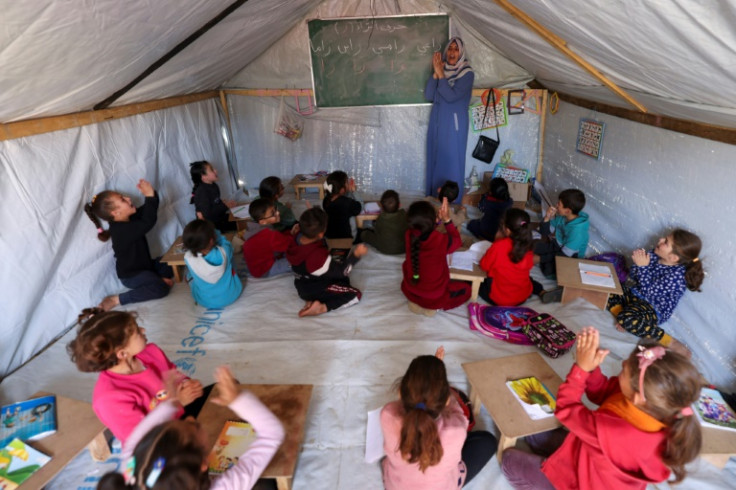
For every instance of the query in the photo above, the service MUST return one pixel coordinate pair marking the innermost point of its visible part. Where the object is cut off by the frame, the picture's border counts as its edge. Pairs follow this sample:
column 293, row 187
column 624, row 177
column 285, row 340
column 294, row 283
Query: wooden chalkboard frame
column 378, row 81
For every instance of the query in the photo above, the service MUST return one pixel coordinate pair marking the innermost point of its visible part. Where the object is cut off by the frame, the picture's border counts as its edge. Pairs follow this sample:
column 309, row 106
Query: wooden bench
column 77, row 427
column 289, row 403
column 300, row 185
column 175, row 258
column 488, row 387
column 476, row 277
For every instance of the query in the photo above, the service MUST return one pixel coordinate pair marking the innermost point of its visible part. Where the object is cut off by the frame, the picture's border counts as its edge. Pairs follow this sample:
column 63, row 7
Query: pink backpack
column 501, row 322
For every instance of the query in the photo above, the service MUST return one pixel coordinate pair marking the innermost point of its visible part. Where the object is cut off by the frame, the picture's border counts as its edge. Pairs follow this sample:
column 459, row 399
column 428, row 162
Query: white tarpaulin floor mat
column 351, row 356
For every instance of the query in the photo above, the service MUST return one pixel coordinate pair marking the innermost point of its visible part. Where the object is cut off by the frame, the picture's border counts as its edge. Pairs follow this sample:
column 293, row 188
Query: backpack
column 551, row 336
column 501, row 322
column 618, row 261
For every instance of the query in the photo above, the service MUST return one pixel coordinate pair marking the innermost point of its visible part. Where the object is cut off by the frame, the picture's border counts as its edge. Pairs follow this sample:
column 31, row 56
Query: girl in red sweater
column 642, row 430
column 509, row 261
column 427, row 283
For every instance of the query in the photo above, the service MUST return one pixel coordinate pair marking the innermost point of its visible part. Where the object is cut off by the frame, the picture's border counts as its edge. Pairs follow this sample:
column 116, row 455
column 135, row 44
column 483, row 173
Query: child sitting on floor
column 132, row 371
column 425, row 433
column 564, row 233
column 209, row 259
column 426, row 282
column 173, row 454
column 340, row 205
column 146, row 278
column 206, row 197
column 643, row 429
column 509, row 261
column 272, row 189
column 388, row 231
column 661, row 277
column 458, row 213
column 320, row 281
column 264, row 251
column 492, row 204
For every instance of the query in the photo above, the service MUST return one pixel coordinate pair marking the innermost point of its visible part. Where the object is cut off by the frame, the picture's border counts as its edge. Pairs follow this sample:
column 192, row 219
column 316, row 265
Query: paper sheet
column 372, row 208
column 373, row 437
column 596, row 275
column 241, row 212
column 465, row 259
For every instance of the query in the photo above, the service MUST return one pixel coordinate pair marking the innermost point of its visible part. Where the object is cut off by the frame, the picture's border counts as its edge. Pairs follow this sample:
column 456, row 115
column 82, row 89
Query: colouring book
column 28, row 420
column 18, row 461
column 232, row 442
column 713, row 411
column 537, row 400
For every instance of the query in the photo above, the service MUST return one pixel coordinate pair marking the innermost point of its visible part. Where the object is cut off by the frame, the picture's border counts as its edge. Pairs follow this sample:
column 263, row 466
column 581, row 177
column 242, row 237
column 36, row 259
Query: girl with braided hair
column 427, row 283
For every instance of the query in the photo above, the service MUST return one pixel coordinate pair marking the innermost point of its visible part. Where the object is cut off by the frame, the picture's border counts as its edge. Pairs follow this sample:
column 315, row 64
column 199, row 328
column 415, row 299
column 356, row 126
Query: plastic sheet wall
column 387, row 151
column 649, row 181
column 53, row 264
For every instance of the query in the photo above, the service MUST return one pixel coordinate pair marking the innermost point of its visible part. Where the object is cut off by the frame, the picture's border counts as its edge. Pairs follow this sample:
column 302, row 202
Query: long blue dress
column 447, row 136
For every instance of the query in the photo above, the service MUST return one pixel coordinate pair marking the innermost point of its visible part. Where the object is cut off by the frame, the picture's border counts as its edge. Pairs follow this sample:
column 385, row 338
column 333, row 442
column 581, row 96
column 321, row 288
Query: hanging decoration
column 515, row 102
column 590, row 138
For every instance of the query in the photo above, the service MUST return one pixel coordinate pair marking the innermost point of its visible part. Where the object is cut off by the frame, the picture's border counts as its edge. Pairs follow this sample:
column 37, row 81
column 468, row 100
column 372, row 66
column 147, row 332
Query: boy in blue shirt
column 564, row 233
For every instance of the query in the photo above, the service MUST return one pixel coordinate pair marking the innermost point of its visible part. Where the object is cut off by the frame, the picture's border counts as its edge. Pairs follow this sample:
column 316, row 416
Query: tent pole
column 561, row 44
column 542, row 129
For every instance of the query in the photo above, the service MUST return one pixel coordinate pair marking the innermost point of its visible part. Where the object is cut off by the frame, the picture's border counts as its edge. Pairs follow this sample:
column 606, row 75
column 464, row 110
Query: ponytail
column 520, row 228
column 684, row 440
column 687, row 246
column 420, row 222
column 499, row 189
column 196, row 171
column 424, row 394
column 100, row 207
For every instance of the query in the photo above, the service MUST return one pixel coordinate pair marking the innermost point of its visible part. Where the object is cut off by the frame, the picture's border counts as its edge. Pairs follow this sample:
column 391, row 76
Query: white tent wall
column 676, row 57
column 648, row 181
column 53, row 263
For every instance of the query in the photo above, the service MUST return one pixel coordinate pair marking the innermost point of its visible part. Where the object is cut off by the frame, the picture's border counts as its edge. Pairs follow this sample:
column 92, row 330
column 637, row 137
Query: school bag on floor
column 618, row 261
column 551, row 336
column 501, row 322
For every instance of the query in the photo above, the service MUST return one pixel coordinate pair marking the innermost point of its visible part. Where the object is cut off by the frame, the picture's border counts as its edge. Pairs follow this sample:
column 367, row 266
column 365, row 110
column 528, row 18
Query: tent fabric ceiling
column 674, row 56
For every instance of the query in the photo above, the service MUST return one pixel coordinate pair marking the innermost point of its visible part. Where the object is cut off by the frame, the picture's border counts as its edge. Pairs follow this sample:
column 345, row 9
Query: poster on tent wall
column 495, row 116
column 590, row 138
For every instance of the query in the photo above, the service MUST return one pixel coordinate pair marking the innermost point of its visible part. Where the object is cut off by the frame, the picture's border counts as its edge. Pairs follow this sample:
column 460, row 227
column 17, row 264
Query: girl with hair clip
column 132, row 371
column 272, row 189
column 660, row 278
column 172, row 454
column 493, row 204
column 340, row 205
column 206, row 196
column 426, row 282
column 147, row 279
column 425, row 433
column 642, row 431
column 509, row 261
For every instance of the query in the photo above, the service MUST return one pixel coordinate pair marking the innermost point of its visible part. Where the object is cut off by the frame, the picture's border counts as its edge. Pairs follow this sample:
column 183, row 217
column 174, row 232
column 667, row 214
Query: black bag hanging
column 486, row 148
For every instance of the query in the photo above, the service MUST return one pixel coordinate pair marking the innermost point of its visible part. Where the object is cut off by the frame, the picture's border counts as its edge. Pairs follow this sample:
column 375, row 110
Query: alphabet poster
column 590, row 138
column 496, row 116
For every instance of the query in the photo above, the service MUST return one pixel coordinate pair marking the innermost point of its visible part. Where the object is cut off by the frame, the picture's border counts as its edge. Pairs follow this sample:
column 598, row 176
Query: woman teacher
column 449, row 89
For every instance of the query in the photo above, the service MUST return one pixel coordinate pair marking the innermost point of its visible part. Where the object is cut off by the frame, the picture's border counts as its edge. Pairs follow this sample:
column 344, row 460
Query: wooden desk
column 362, row 218
column 300, row 185
column 339, row 243
column 78, row 426
column 476, row 277
column 488, row 386
column 175, row 258
column 289, row 403
column 718, row 446
column 568, row 276
column 240, row 223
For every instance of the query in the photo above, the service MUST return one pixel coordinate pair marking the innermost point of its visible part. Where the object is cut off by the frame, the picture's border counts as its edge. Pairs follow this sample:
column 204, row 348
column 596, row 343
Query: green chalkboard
column 374, row 61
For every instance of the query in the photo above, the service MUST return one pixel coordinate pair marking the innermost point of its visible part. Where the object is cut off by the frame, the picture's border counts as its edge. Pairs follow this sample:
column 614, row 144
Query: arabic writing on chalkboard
column 375, row 61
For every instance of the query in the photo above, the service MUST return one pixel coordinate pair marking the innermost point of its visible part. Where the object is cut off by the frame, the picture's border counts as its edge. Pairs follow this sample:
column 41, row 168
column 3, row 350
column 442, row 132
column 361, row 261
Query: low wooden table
column 568, row 276
column 362, row 218
column 77, row 427
column 476, row 277
column 719, row 446
column 488, row 387
column 175, row 258
column 300, row 185
column 240, row 223
column 289, row 403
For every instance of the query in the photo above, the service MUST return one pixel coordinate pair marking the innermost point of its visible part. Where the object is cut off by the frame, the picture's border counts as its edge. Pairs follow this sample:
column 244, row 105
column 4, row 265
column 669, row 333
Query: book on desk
column 713, row 411
column 28, row 420
column 18, row 461
column 234, row 439
column 534, row 396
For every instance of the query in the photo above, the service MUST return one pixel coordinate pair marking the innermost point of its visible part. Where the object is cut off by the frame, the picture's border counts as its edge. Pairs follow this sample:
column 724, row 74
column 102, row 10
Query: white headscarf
column 459, row 69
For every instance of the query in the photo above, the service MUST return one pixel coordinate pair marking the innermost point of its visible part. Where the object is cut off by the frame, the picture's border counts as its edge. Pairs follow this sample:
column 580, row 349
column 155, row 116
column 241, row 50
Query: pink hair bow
column 646, row 359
